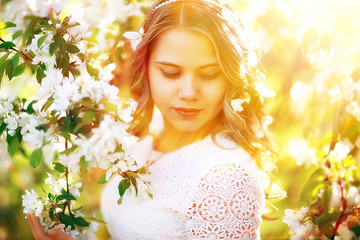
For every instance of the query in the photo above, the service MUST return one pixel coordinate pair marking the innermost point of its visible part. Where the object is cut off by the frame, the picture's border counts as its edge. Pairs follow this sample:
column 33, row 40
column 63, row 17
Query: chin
column 187, row 127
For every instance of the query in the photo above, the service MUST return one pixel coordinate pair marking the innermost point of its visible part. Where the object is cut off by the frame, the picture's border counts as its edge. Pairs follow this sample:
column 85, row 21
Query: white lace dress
column 200, row 191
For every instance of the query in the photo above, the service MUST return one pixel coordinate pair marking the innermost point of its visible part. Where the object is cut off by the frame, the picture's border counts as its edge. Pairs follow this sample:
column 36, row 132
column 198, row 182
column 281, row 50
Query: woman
column 195, row 63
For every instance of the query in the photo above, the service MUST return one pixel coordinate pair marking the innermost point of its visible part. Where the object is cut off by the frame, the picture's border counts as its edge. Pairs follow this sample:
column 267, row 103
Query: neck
column 171, row 139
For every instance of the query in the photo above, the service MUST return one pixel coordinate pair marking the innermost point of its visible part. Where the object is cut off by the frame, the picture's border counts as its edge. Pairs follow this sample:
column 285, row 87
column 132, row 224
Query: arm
column 227, row 205
column 39, row 233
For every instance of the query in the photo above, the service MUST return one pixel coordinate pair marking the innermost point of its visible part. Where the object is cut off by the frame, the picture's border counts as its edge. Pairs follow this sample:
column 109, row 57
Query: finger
column 38, row 229
column 58, row 234
column 31, row 225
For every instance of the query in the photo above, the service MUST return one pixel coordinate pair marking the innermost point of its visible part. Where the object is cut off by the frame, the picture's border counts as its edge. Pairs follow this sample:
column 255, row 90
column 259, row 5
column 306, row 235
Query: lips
column 187, row 112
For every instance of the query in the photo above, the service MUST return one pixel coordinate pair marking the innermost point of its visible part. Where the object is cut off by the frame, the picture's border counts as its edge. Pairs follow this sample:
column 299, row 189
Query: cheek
column 215, row 95
column 160, row 92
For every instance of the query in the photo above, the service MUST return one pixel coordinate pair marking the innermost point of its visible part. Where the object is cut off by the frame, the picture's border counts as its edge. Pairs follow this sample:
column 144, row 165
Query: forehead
column 184, row 47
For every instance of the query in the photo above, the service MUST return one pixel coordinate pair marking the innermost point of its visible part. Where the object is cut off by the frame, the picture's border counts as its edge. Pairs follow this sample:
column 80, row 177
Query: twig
column 26, row 57
column 342, row 215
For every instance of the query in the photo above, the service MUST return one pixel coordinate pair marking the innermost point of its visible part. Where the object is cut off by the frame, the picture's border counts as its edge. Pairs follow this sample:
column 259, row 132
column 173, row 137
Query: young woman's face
column 186, row 82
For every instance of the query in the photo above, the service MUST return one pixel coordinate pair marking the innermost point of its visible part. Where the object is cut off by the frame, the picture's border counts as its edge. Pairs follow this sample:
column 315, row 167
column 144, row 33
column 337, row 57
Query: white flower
column 34, row 137
column 354, row 109
column 301, row 151
column 42, row 53
column 90, row 233
column 85, row 148
column 80, row 32
column 66, row 94
column 353, row 196
column 302, row 232
column 71, row 161
column 98, row 91
column 72, row 233
column 31, row 203
column 11, row 123
column 110, row 171
column 134, row 37
column 105, row 74
column 344, row 232
column 6, row 107
column 335, row 199
column 236, row 104
column 126, row 114
column 126, row 166
column 74, row 189
column 53, row 77
column 342, row 149
column 55, row 185
column 294, row 219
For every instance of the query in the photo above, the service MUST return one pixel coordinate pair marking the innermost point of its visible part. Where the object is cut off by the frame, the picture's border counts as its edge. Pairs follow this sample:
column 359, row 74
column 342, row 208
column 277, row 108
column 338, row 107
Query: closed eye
column 209, row 76
column 171, row 75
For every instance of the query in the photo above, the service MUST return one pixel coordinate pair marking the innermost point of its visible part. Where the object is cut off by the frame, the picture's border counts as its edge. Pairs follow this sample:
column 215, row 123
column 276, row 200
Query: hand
column 39, row 233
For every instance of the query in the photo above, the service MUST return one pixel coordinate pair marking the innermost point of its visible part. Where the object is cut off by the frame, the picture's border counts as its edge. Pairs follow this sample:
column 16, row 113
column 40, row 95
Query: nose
column 188, row 89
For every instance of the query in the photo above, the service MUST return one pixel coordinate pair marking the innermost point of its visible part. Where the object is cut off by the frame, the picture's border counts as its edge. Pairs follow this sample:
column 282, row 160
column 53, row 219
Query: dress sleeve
column 227, row 204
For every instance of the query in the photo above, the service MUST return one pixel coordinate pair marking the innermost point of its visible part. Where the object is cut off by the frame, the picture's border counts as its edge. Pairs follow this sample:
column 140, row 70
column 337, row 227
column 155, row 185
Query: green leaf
column 7, row 45
column 102, row 179
column 96, row 220
column 65, row 196
column 81, row 222
column 3, row 65
column 36, row 157
column 64, row 124
column 52, row 215
column 65, row 135
column 2, row 127
column 40, row 74
column 134, row 183
column 54, row 45
column 312, row 186
column 69, row 150
column 72, row 48
column 62, row 45
column 327, row 197
column 44, row 23
column 92, row 71
column 123, row 186
column 78, row 127
column 7, row 25
column 15, row 59
column 16, row 35
column 356, row 230
column 10, row 69
column 13, row 146
column 67, row 220
column 348, row 162
column 41, row 40
column 59, row 167
column 29, row 108
column 89, row 116
column 63, row 191
column 19, row 69
column 132, row 174
column 48, row 104
column 110, row 107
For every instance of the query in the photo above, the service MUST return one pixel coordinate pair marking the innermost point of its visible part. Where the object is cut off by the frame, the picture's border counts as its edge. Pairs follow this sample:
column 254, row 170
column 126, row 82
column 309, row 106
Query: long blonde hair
column 236, row 57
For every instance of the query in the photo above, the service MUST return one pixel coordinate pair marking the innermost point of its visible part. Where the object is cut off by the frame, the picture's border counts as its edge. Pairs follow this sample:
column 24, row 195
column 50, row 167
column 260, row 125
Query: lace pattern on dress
column 227, row 205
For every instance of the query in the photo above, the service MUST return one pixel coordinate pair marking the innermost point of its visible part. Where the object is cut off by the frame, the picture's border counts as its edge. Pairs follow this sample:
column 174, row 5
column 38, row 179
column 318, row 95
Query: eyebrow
column 174, row 65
